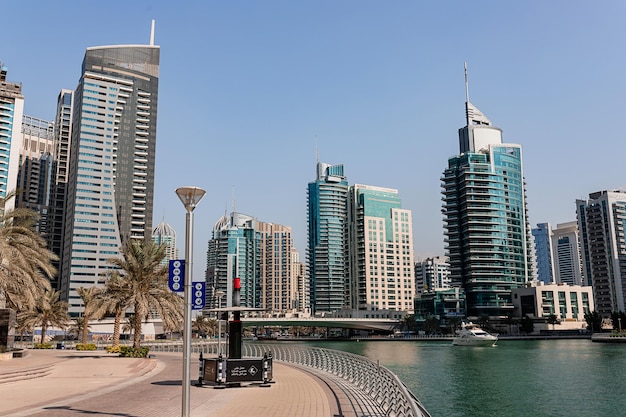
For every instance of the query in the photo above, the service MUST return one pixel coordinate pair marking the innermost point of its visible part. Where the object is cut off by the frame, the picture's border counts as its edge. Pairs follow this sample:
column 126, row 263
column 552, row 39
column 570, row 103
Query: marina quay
column 307, row 381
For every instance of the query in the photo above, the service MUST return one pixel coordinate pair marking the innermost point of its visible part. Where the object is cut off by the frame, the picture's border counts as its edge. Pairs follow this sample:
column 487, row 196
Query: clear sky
column 250, row 89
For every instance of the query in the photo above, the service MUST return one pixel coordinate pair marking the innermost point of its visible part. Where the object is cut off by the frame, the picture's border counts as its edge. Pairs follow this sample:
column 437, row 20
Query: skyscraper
column 276, row 270
column 164, row 234
column 234, row 251
column 11, row 112
column 260, row 254
column 380, row 250
column 432, row 274
column 566, row 254
column 485, row 217
column 36, row 168
column 543, row 251
column 300, row 289
column 112, row 153
column 326, row 252
column 602, row 225
column 58, row 192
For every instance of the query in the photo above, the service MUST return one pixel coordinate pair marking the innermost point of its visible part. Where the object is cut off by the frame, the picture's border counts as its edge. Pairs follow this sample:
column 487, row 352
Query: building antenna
column 317, row 151
column 467, row 121
column 152, row 34
column 234, row 203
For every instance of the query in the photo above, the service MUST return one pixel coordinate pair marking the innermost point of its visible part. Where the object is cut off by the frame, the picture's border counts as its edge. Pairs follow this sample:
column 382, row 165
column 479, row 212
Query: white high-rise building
column 432, row 274
column 380, row 250
column 11, row 113
column 602, row 225
column 566, row 254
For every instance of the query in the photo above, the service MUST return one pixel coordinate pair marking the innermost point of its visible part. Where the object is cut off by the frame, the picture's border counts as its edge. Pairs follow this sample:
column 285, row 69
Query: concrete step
column 7, row 376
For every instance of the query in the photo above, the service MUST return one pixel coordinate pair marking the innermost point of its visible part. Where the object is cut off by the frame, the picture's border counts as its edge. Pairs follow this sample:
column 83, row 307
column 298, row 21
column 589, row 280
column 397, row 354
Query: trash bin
column 61, row 345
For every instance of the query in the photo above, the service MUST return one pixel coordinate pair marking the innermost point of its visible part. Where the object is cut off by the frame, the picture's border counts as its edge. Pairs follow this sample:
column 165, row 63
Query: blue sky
column 250, row 89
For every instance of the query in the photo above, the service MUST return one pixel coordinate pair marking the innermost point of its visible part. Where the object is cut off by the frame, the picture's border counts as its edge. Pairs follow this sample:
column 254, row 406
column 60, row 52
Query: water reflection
column 515, row 378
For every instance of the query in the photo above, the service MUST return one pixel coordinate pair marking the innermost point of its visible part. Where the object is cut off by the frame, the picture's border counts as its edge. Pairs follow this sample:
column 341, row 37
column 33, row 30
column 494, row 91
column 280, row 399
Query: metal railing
column 372, row 389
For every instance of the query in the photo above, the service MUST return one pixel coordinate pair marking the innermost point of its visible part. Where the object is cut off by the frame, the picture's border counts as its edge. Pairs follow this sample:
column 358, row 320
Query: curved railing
column 372, row 389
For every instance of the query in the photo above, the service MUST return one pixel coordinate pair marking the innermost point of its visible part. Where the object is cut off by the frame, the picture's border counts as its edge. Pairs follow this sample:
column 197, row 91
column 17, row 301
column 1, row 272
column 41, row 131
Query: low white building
column 567, row 302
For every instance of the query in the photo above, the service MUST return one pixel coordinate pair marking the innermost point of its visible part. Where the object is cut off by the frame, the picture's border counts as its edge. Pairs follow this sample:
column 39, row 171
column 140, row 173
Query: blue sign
column 176, row 280
column 197, row 295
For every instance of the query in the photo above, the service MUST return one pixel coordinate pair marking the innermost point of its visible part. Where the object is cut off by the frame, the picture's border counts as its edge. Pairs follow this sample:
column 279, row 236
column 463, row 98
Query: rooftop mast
column 152, row 34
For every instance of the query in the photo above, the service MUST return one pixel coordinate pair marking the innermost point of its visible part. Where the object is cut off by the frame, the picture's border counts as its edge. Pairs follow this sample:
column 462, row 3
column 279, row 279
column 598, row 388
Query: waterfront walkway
column 55, row 383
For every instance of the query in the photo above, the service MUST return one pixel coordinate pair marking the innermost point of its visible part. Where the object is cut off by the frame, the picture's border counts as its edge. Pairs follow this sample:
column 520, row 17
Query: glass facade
column 485, row 220
column 326, row 252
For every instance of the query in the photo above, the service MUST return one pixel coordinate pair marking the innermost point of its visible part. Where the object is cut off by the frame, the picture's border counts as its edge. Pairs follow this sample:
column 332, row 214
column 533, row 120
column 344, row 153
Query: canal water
column 515, row 378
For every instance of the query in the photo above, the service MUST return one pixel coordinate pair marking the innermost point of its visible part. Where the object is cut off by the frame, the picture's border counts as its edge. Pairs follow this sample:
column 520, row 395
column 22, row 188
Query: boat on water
column 472, row 335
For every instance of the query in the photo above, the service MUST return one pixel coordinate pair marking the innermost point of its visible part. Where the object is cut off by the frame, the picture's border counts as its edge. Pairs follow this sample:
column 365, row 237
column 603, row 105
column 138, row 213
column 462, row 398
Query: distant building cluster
column 89, row 173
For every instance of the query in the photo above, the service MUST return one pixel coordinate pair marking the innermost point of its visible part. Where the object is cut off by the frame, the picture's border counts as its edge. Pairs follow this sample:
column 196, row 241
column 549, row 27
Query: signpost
column 198, row 300
column 176, row 280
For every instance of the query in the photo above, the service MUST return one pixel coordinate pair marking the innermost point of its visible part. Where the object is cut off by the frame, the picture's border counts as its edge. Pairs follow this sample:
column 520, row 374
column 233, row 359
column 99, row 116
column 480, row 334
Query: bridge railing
column 372, row 389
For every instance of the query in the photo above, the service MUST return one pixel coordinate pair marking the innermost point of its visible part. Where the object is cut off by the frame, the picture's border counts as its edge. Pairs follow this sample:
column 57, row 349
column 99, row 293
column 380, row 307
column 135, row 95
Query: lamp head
column 190, row 196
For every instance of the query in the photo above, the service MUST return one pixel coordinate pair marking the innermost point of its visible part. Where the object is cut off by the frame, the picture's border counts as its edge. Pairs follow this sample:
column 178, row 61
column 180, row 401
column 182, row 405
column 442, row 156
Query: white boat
column 472, row 335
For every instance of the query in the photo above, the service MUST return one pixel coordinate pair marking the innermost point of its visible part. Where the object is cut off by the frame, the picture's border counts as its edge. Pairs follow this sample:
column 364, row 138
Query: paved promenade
column 65, row 383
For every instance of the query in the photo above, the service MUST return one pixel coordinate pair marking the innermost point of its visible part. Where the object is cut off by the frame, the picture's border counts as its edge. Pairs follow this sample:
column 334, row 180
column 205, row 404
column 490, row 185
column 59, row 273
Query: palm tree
column 25, row 262
column 128, row 325
column 77, row 328
column 116, row 298
column 94, row 307
column 203, row 325
column 553, row 319
column 48, row 311
column 147, row 285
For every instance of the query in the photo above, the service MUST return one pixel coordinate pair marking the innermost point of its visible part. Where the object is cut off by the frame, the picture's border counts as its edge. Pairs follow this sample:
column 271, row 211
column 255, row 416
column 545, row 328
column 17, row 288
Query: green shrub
column 131, row 352
column 87, row 346
column 42, row 345
column 114, row 349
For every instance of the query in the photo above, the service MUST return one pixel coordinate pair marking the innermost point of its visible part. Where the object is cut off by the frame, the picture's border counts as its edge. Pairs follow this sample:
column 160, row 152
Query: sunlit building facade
column 164, row 234
column 602, row 226
column 327, row 200
column 36, row 169
column 11, row 113
column 380, row 250
column 110, row 186
column 487, row 234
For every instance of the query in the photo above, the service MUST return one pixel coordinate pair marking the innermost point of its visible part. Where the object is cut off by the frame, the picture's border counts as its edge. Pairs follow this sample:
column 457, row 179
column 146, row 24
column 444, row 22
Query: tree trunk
column 43, row 332
column 85, row 328
column 116, row 326
column 137, row 328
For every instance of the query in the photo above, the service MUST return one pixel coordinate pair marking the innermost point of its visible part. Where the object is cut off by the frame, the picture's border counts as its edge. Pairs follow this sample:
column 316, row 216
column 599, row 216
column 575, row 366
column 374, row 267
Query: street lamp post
column 219, row 294
column 190, row 197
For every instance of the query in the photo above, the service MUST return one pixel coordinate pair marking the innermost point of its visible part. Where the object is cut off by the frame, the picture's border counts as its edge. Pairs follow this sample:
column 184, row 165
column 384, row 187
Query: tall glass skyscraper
column 112, row 154
column 543, row 251
column 487, row 233
column 234, row 251
column 327, row 200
